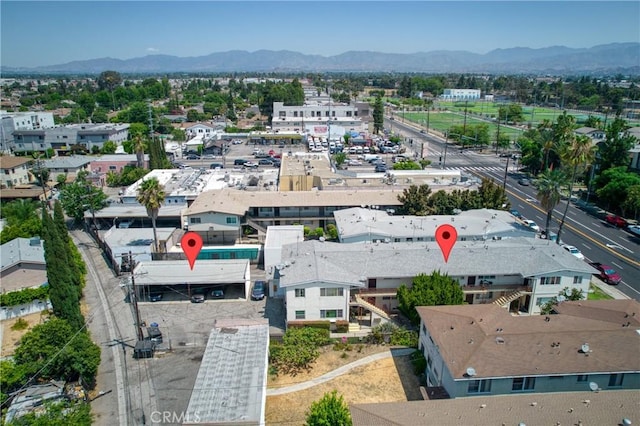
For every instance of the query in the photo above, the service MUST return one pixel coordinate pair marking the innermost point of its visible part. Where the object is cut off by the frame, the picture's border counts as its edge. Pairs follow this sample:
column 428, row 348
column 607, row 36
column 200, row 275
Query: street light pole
column 446, row 144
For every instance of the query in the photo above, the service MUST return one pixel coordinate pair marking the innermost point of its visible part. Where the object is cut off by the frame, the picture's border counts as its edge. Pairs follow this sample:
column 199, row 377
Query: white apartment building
column 461, row 94
column 12, row 121
column 318, row 117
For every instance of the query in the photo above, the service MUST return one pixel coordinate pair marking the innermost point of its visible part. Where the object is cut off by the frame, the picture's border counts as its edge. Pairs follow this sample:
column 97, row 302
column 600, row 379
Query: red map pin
column 191, row 244
column 446, row 236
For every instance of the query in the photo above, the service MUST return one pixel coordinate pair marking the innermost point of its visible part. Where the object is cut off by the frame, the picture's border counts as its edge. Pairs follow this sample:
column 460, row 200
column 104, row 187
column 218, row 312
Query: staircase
column 360, row 301
column 256, row 225
column 508, row 298
column 354, row 327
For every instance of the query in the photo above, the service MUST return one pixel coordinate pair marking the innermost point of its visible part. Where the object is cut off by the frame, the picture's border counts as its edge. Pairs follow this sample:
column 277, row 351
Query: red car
column 607, row 273
column 617, row 221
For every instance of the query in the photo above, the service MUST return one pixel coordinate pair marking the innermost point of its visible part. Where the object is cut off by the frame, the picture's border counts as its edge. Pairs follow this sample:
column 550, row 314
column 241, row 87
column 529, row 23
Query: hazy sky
column 56, row 32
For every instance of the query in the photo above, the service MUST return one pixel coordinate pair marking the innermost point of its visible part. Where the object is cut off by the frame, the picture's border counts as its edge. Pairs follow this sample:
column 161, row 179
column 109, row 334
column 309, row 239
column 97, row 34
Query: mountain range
column 622, row 58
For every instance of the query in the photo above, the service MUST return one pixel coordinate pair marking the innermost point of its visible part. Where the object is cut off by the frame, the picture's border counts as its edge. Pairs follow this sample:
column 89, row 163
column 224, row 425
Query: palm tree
column 579, row 153
column 151, row 195
column 550, row 184
column 138, row 148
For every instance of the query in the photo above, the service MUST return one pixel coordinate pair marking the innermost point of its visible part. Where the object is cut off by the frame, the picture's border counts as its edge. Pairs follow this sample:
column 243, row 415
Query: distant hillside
column 605, row 59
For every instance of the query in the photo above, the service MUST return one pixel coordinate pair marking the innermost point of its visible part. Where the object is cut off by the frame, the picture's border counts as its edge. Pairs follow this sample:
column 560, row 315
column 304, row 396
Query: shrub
column 323, row 325
column 20, row 324
column 342, row 326
column 27, row 295
column 419, row 363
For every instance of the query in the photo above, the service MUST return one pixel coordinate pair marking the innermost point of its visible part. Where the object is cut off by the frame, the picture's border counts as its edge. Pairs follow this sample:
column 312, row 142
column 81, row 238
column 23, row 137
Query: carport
column 177, row 282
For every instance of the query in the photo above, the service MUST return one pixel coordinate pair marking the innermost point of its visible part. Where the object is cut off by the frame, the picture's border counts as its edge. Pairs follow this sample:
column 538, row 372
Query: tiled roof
column 557, row 408
column 496, row 344
column 233, row 201
column 9, row 162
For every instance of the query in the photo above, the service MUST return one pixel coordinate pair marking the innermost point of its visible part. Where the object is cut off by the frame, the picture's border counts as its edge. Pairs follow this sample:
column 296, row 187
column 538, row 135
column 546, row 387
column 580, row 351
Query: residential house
column 22, row 264
column 67, row 166
column 474, row 350
column 102, row 165
column 596, row 135
column 322, row 279
column 14, row 170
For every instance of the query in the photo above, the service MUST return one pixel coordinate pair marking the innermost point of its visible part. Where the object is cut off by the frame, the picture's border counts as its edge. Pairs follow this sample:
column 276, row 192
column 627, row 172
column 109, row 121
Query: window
column 577, row 279
column 479, row 386
column 300, row 292
column 523, row 383
column 615, row 380
column 232, row 220
column 331, row 313
column 549, row 280
column 583, row 378
column 300, row 315
column 112, row 167
column 195, row 220
column 543, row 300
column 331, row 292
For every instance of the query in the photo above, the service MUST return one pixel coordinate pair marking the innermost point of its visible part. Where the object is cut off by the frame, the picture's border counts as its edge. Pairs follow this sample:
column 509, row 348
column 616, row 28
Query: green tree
column 378, row 115
column 80, row 196
column 22, row 220
column 109, row 80
column 151, row 195
column 415, row 200
column 63, row 291
column 579, row 153
column 74, row 258
column 631, row 204
column 613, row 185
column 614, row 151
column 407, row 165
column 330, row 410
column 428, row 290
column 55, row 350
column 339, row 158
column 109, row 147
column 550, row 184
column 493, row 196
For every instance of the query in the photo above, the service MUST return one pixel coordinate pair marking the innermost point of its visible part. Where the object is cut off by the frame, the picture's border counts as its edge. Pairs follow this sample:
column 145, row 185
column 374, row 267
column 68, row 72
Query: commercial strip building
column 474, row 350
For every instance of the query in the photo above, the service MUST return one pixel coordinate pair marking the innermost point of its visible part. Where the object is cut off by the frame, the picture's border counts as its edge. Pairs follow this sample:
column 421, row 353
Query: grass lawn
column 596, row 294
column 442, row 121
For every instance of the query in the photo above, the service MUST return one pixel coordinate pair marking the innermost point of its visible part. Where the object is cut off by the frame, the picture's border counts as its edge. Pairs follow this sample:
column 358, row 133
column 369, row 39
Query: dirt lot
column 10, row 338
column 387, row 380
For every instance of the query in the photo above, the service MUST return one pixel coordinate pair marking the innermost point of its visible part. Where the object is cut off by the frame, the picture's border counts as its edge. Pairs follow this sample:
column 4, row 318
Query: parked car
column 192, row 157
column 516, row 214
column 574, row 251
column 607, row 273
column 239, row 162
column 208, row 156
column 217, row 293
column 216, row 166
column 261, row 155
column 198, row 296
column 354, row 163
column 265, row 162
column 634, row 229
column 257, row 292
column 524, row 182
column 381, row 168
column 250, row 165
column 237, row 142
column 615, row 220
column 155, row 297
column 531, row 225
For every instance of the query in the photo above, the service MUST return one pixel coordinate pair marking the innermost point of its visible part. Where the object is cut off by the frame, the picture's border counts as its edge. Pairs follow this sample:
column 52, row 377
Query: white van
column 371, row 157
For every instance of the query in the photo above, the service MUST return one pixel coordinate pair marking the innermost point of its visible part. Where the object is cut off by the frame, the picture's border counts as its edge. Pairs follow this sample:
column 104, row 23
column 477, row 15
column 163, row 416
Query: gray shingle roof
column 21, row 250
column 350, row 263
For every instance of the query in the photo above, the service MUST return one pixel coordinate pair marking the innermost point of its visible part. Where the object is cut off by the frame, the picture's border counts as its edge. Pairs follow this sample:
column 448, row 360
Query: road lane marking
column 614, row 263
column 622, row 282
column 588, row 237
column 587, row 247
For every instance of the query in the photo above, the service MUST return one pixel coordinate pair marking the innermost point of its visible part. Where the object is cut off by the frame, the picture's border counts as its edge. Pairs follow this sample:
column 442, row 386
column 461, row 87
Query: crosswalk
column 477, row 169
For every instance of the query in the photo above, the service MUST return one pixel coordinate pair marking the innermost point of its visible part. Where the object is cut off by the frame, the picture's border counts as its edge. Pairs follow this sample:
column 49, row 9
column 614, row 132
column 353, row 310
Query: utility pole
column 133, row 294
column 506, row 171
column 446, row 144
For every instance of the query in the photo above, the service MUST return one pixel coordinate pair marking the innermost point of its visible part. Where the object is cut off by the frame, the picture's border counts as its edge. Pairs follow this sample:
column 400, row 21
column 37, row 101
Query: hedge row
column 21, row 297
column 322, row 325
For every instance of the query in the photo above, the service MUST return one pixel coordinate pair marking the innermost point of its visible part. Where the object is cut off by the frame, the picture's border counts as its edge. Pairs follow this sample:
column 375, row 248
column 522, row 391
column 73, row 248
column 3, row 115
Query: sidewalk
column 609, row 289
column 340, row 371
